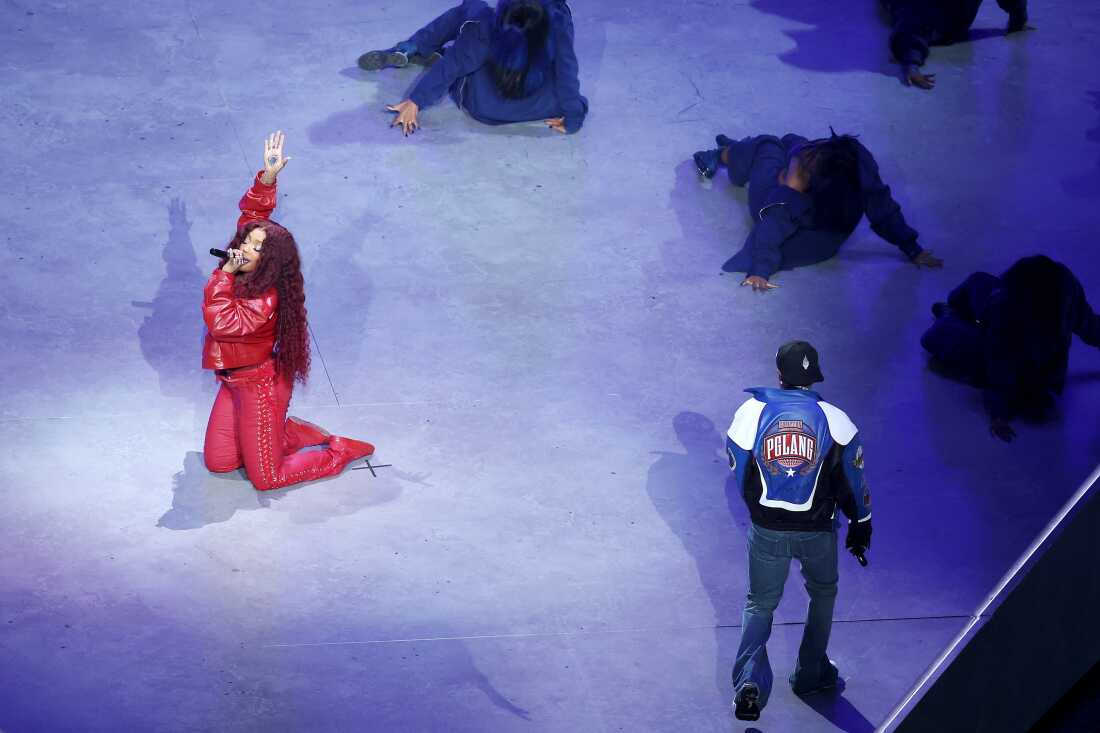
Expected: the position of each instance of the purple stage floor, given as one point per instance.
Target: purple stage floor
(534, 330)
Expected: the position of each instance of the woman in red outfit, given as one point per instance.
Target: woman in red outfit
(257, 342)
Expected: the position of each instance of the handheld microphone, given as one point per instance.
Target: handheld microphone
(861, 558)
(219, 253)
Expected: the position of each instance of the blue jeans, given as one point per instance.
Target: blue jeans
(770, 554)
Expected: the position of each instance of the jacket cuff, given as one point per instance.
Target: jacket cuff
(257, 183)
(573, 124)
(911, 249)
(911, 57)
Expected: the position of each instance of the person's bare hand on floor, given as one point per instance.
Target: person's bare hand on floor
(927, 259)
(1002, 429)
(914, 77)
(406, 116)
(759, 284)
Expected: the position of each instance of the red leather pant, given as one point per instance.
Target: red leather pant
(248, 427)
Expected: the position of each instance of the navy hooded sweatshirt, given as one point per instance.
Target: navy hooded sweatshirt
(1013, 362)
(466, 72)
(784, 235)
(918, 24)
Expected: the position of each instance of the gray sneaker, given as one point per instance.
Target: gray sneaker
(390, 57)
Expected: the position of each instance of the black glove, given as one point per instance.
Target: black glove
(859, 537)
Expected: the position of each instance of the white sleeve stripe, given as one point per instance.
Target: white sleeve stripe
(840, 425)
(760, 214)
(865, 519)
(745, 423)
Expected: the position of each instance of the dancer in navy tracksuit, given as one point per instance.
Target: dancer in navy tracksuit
(514, 64)
(796, 459)
(919, 24)
(1010, 335)
(807, 197)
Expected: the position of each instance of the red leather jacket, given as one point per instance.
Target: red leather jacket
(240, 331)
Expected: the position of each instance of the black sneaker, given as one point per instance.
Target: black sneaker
(390, 57)
(707, 162)
(830, 681)
(746, 703)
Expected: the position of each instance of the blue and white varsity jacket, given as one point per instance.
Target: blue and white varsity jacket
(796, 458)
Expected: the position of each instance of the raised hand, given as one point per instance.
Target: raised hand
(927, 259)
(274, 161)
(914, 78)
(557, 124)
(406, 116)
(759, 284)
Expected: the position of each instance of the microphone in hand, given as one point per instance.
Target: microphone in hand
(221, 254)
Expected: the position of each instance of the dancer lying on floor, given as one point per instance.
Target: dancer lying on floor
(920, 24)
(806, 197)
(1011, 335)
(513, 65)
(257, 343)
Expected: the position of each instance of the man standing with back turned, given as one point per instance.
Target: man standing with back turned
(796, 458)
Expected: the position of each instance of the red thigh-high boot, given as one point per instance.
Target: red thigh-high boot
(221, 452)
(261, 399)
(298, 434)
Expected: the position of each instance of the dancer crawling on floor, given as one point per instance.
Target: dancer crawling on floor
(919, 24)
(1010, 335)
(806, 198)
(257, 343)
(513, 65)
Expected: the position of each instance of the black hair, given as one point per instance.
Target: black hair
(1033, 286)
(832, 167)
(520, 57)
(1027, 318)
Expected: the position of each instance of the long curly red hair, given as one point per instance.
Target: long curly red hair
(279, 268)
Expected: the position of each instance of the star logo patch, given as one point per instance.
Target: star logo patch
(789, 447)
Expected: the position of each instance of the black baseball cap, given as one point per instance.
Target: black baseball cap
(798, 364)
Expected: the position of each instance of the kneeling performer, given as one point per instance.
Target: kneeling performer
(257, 343)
